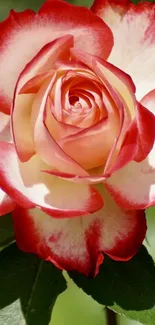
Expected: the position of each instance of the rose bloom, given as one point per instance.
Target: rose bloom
(77, 93)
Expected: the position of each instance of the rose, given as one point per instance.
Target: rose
(79, 134)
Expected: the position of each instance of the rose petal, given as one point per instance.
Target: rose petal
(57, 129)
(121, 89)
(5, 134)
(125, 87)
(6, 204)
(27, 32)
(138, 141)
(32, 85)
(133, 186)
(117, 78)
(77, 244)
(75, 178)
(45, 144)
(101, 137)
(104, 132)
(91, 34)
(22, 103)
(146, 132)
(45, 59)
(149, 101)
(9, 50)
(133, 52)
(21, 126)
(127, 151)
(29, 187)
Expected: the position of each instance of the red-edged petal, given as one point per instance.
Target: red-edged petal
(32, 85)
(137, 144)
(128, 149)
(146, 132)
(91, 34)
(29, 187)
(133, 52)
(6, 203)
(145, 122)
(45, 59)
(9, 50)
(76, 244)
(22, 103)
(75, 178)
(139, 139)
(19, 34)
(133, 186)
(149, 101)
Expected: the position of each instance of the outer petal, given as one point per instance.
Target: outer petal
(91, 33)
(27, 32)
(139, 139)
(9, 51)
(133, 187)
(146, 132)
(6, 204)
(29, 187)
(133, 52)
(76, 244)
(149, 101)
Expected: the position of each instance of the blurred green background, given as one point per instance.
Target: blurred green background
(74, 307)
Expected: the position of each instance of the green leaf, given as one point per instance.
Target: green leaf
(125, 287)
(6, 230)
(29, 288)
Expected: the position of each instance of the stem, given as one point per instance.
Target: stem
(111, 317)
